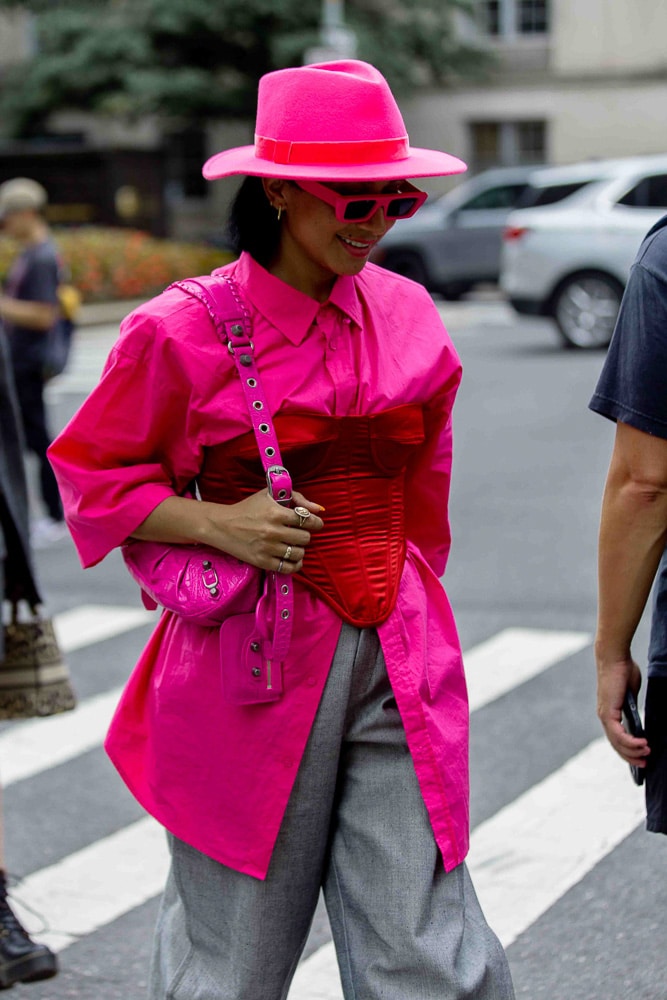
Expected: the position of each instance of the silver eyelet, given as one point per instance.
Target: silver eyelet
(284, 589)
(258, 405)
(282, 494)
(264, 428)
(284, 614)
(252, 382)
(270, 452)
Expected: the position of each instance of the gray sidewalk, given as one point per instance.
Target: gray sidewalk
(99, 313)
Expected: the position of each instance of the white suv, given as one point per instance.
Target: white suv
(571, 260)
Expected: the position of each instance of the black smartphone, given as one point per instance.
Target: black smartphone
(633, 723)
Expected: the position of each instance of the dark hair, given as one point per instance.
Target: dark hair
(253, 222)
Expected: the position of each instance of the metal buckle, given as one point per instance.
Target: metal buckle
(248, 344)
(277, 470)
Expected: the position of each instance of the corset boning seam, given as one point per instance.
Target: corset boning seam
(356, 468)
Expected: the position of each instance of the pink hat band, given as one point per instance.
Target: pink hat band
(356, 152)
(331, 121)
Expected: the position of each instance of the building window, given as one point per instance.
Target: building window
(507, 18)
(507, 144)
(532, 17)
(491, 17)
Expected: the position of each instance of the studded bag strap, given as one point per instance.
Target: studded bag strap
(226, 306)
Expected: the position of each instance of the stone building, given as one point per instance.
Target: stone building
(574, 79)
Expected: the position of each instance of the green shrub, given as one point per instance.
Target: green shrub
(107, 263)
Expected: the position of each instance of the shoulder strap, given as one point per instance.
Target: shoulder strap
(227, 309)
(224, 302)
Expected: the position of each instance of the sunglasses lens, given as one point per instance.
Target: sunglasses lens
(356, 210)
(400, 207)
(360, 210)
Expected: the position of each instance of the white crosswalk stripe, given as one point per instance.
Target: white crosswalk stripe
(522, 859)
(512, 657)
(94, 886)
(30, 747)
(528, 855)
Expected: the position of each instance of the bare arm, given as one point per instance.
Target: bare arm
(256, 530)
(633, 531)
(33, 315)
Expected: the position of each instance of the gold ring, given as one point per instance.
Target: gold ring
(303, 514)
(288, 553)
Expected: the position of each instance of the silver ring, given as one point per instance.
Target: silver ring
(303, 514)
(280, 565)
(288, 553)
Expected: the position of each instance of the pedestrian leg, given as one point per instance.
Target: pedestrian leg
(223, 935)
(404, 928)
(30, 392)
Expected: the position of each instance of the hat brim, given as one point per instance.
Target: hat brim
(418, 163)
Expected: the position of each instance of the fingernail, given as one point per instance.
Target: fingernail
(320, 507)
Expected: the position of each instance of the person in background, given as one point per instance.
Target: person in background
(28, 310)
(22, 960)
(632, 391)
(355, 778)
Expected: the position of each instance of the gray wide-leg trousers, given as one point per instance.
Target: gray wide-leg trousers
(356, 825)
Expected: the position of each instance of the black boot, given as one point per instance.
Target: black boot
(21, 960)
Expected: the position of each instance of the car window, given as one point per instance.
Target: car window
(549, 194)
(650, 192)
(504, 196)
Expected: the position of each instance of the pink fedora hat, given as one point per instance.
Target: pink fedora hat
(330, 121)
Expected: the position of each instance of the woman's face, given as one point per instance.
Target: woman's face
(316, 247)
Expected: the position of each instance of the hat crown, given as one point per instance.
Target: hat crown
(330, 121)
(342, 101)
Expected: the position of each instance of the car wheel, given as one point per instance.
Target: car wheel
(585, 307)
(409, 264)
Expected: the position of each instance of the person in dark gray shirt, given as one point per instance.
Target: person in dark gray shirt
(29, 310)
(632, 390)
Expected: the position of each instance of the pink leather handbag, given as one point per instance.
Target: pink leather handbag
(194, 581)
(252, 609)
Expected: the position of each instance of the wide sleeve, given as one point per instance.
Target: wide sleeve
(418, 363)
(428, 482)
(632, 387)
(132, 444)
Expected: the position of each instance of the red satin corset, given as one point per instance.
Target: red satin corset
(353, 466)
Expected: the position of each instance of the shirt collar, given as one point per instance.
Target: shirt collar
(287, 309)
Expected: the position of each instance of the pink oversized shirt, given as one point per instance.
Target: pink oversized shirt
(216, 775)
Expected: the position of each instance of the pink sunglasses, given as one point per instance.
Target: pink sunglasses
(362, 207)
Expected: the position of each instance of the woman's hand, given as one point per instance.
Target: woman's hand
(261, 532)
(256, 530)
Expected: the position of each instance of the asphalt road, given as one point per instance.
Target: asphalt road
(530, 461)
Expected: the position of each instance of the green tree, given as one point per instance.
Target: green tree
(201, 59)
